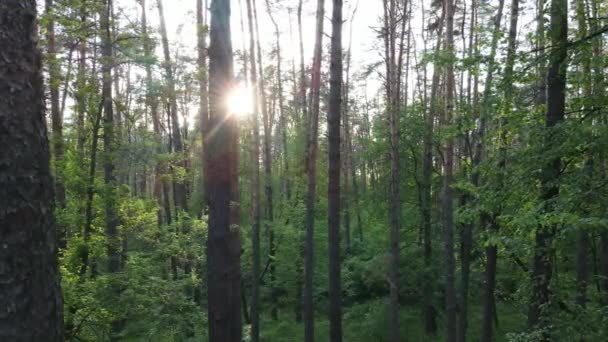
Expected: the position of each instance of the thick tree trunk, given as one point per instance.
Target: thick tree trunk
(31, 306)
(549, 179)
(311, 174)
(333, 191)
(221, 184)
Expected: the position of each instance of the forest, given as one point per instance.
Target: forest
(303, 170)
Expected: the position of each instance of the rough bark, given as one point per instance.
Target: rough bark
(31, 307)
(221, 184)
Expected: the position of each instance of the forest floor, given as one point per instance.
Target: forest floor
(366, 322)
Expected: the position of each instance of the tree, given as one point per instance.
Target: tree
(255, 184)
(311, 174)
(30, 294)
(549, 184)
(393, 62)
(333, 191)
(221, 184)
(448, 179)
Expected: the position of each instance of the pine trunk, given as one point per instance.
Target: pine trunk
(31, 306)
(221, 184)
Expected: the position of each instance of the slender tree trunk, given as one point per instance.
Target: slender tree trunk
(109, 142)
(333, 191)
(56, 118)
(282, 116)
(556, 84)
(489, 300)
(202, 65)
(582, 243)
(302, 96)
(429, 311)
(448, 179)
(311, 173)
(255, 183)
(393, 78)
(221, 184)
(267, 161)
(90, 192)
(30, 296)
(179, 186)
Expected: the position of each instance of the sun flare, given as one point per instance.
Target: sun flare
(240, 101)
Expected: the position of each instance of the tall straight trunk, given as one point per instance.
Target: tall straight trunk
(302, 89)
(311, 174)
(267, 161)
(152, 103)
(30, 295)
(429, 311)
(448, 178)
(582, 243)
(478, 156)
(81, 89)
(333, 188)
(255, 183)
(350, 174)
(282, 117)
(179, 186)
(549, 178)
(598, 92)
(109, 198)
(392, 97)
(56, 117)
(201, 31)
(221, 184)
(90, 192)
(491, 251)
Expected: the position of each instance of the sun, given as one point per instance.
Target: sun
(240, 100)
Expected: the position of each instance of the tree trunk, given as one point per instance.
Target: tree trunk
(333, 190)
(255, 183)
(202, 65)
(556, 84)
(30, 296)
(393, 79)
(311, 173)
(56, 117)
(179, 186)
(109, 199)
(267, 160)
(448, 179)
(429, 311)
(221, 184)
